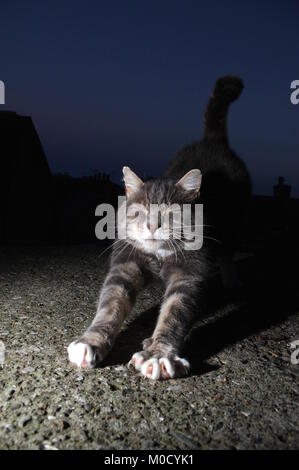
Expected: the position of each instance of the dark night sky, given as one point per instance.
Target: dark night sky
(126, 82)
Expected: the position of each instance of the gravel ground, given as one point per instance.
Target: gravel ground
(242, 394)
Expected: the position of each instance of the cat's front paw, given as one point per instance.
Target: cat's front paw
(83, 355)
(165, 368)
(160, 368)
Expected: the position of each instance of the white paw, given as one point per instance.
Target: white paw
(81, 354)
(165, 368)
(137, 360)
(151, 369)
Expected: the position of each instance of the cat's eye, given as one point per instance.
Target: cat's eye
(136, 212)
(132, 216)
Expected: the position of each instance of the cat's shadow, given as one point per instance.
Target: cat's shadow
(228, 317)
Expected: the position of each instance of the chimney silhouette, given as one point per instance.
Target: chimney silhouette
(282, 191)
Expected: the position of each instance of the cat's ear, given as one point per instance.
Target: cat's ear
(132, 181)
(191, 181)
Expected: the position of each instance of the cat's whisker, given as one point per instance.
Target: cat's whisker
(123, 248)
(195, 226)
(176, 243)
(207, 237)
(211, 238)
(109, 247)
(173, 248)
(132, 251)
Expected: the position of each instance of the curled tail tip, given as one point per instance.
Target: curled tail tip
(228, 88)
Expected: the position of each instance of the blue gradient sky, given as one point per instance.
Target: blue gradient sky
(126, 82)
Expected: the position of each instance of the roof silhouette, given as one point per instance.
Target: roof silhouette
(25, 182)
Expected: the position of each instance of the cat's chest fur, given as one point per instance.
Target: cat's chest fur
(156, 261)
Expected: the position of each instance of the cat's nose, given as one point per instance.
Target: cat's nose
(154, 225)
(151, 228)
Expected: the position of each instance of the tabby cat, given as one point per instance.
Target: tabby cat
(208, 173)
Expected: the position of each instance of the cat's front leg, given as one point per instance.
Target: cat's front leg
(118, 294)
(160, 358)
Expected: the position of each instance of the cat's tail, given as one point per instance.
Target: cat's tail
(227, 89)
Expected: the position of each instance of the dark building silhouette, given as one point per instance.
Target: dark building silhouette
(268, 217)
(281, 191)
(76, 201)
(25, 182)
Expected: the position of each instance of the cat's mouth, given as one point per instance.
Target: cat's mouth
(152, 242)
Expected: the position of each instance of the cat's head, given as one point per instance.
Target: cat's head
(154, 209)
